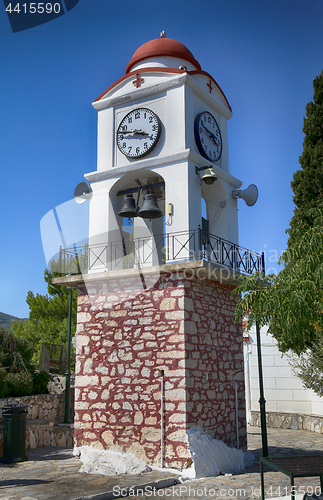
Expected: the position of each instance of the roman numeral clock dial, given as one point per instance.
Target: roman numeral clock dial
(208, 136)
(138, 133)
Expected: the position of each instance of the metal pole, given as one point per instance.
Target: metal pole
(262, 400)
(237, 412)
(263, 262)
(68, 371)
(161, 374)
(60, 261)
(199, 242)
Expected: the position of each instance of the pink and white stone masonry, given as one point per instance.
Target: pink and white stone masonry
(126, 335)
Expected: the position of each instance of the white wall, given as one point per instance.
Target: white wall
(283, 390)
(176, 100)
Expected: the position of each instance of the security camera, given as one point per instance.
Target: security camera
(209, 177)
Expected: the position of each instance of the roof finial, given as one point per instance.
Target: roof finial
(163, 34)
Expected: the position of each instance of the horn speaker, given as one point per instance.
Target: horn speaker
(249, 195)
(82, 193)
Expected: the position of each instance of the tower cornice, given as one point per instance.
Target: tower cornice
(103, 102)
(151, 163)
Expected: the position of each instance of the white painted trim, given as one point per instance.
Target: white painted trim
(185, 155)
(169, 83)
(140, 93)
(146, 163)
(208, 98)
(200, 269)
(200, 162)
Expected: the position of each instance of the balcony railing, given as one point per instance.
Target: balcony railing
(157, 250)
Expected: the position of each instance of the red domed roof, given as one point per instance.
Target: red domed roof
(162, 47)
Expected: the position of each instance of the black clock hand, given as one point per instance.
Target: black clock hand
(140, 132)
(210, 134)
(214, 139)
(133, 132)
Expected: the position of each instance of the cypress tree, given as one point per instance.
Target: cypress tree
(307, 183)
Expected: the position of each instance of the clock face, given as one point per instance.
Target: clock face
(138, 133)
(208, 136)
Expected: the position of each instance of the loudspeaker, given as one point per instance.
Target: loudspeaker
(82, 192)
(249, 195)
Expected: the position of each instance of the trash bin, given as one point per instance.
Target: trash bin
(14, 433)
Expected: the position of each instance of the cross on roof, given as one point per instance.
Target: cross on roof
(210, 85)
(138, 80)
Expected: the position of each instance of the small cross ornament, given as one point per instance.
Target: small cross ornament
(138, 81)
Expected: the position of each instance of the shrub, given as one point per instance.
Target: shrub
(3, 382)
(17, 372)
(40, 380)
(19, 384)
(16, 354)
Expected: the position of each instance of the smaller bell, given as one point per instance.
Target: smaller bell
(150, 209)
(128, 208)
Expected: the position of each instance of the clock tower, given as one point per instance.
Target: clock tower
(159, 122)
(157, 348)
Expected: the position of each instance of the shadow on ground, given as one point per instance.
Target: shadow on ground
(22, 482)
(277, 451)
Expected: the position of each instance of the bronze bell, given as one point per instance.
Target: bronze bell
(150, 209)
(128, 208)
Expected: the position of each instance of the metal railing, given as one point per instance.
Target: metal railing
(225, 253)
(157, 250)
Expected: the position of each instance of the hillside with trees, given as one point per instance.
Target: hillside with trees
(6, 320)
(48, 317)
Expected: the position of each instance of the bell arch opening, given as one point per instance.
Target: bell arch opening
(216, 200)
(138, 201)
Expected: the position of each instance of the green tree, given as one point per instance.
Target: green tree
(291, 303)
(48, 316)
(18, 376)
(307, 183)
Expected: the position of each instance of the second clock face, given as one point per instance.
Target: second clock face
(208, 136)
(138, 133)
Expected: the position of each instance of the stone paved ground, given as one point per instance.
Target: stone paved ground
(246, 485)
(52, 473)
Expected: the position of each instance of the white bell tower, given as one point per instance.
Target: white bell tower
(165, 79)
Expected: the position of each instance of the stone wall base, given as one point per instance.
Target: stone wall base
(171, 349)
(40, 406)
(41, 433)
(312, 423)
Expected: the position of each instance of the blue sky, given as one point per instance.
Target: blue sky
(264, 55)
